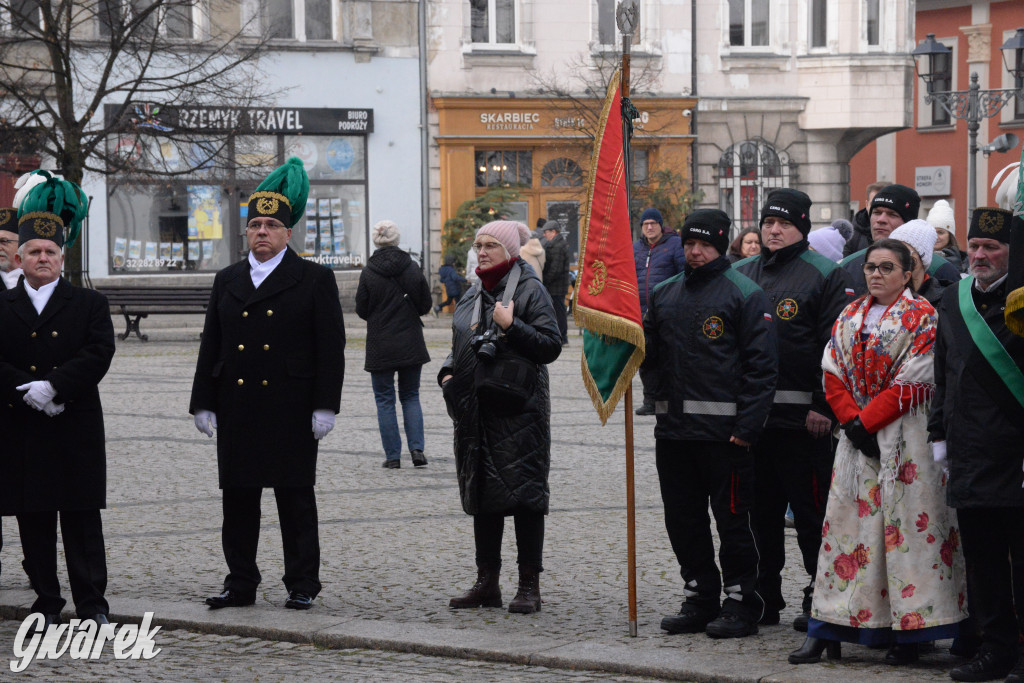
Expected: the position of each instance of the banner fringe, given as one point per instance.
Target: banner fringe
(606, 408)
(600, 322)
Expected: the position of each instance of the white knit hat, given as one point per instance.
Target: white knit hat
(919, 235)
(941, 216)
(386, 234)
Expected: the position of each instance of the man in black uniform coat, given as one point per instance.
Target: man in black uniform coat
(56, 346)
(977, 427)
(272, 357)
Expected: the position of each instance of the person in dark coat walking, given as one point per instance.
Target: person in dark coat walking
(711, 345)
(502, 456)
(556, 274)
(391, 297)
(976, 426)
(451, 281)
(56, 347)
(658, 255)
(268, 379)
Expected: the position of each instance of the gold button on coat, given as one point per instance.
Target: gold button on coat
(266, 347)
(269, 313)
(241, 382)
(245, 314)
(264, 382)
(31, 368)
(54, 333)
(241, 347)
(34, 335)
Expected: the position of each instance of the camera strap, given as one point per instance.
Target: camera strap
(510, 288)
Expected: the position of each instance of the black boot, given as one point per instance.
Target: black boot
(485, 592)
(647, 408)
(902, 653)
(810, 651)
(693, 617)
(527, 600)
(803, 619)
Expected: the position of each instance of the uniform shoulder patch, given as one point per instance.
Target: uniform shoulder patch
(743, 262)
(852, 257)
(937, 262)
(674, 278)
(742, 282)
(824, 264)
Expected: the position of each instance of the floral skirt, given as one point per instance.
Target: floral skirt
(890, 559)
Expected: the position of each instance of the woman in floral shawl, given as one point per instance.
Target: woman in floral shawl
(890, 568)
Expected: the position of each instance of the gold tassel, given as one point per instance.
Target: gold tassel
(1014, 314)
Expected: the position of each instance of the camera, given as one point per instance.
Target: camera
(485, 345)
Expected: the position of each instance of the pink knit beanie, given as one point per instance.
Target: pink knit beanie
(512, 234)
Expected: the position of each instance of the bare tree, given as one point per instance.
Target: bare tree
(84, 82)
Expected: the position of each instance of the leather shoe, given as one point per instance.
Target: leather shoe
(392, 464)
(230, 598)
(902, 653)
(100, 619)
(297, 600)
(50, 620)
(987, 665)
(418, 459)
(645, 409)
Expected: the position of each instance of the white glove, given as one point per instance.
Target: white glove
(206, 421)
(323, 423)
(53, 409)
(939, 451)
(38, 393)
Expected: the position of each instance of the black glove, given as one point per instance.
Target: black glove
(860, 438)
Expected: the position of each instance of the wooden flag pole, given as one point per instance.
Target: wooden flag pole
(626, 17)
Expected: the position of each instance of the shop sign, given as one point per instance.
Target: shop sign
(932, 181)
(509, 120)
(159, 119)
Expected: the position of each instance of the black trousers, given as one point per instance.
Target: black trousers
(561, 315)
(993, 542)
(296, 509)
(792, 468)
(82, 532)
(488, 530)
(692, 474)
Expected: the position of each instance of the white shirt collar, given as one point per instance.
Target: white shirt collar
(992, 286)
(40, 296)
(259, 271)
(11, 278)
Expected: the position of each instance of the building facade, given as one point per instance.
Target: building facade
(932, 154)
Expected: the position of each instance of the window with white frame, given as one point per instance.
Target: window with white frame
(492, 21)
(872, 12)
(819, 23)
(171, 19)
(748, 23)
(19, 16)
(934, 114)
(289, 19)
(608, 28)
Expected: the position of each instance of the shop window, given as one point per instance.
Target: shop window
(819, 23)
(333, 231)
(748, 23)
(561, 172)
(508, 167)
(747, 172)
(871, 12)
(607, 28)
(492, 21)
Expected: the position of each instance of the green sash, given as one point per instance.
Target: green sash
(988, 344)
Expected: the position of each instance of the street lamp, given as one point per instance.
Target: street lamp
(973, 104)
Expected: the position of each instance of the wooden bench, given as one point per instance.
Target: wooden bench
(137, 302)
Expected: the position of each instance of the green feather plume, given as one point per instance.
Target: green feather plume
(289, 179)
(61, 197)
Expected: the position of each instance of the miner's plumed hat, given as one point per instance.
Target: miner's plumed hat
(49, 208)
(282, 195)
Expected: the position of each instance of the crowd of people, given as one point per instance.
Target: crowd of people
(878, 395)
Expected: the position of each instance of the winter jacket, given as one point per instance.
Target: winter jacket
(656, 264)
(806, 293)
(711, 342)
(932, 290)
(955, 257)
(502, 461)
(972, 410)
(861, 237)
(451, 280)
(556, 267)
(391, 297)
(533, 253)
(940, 269)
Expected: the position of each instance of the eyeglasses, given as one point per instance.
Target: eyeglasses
(486, 246)
(270, 228)
(886, 268)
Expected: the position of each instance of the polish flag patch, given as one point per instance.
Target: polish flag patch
(849, 292)
(768, 317)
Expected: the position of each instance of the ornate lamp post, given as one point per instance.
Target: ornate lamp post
(973, 104)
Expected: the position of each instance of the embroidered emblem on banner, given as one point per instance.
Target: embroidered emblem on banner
(267, 206)
(598, 279)
(5, 216)
(713, 327)
(990, 222)
(45, 227)
(787, 309)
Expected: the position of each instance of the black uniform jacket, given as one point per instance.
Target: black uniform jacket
(940, 269)
(270, 356)
(712, 343)
(556, 266)
(54, 463)
(806, 293)
(502, 461)
(973, 411)
(391, 297)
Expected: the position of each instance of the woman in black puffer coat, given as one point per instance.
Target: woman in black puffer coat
(502, 458)
(391, 297)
